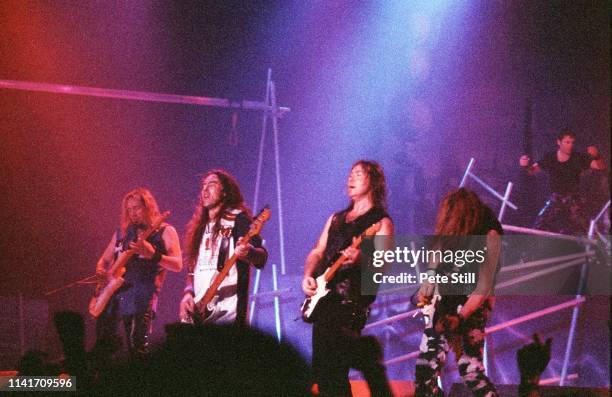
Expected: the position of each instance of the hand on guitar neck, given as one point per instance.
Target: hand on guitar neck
(143, 248)
(349, 256)
(316, 289)
(352, 253)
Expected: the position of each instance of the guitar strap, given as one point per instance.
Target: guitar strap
(223, 250)
(118, 243)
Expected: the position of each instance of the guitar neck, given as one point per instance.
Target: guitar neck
(254, 230)
(125, 256)
(121, 261)
(339, 262)
(212, 290)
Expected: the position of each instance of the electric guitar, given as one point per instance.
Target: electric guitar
(107, 287)
(206, 309)
(310, 304)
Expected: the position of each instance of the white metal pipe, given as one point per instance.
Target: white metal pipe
(391, 319)
(534, 315)
(501, 326)
(493, 191)
(536, 232)
(518, 280)
(504, 201)
(547, 261)
(254, 296)
(138, 95)
(556, 379)
(276, 304)
(281, 233)
(575, 312)
(467, 172)
(262, 140)
(271, 293)
(603, 210)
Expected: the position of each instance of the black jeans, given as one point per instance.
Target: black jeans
(137, 329)
(563, 213)
(337, 346)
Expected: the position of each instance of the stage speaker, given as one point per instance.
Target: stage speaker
(23, 327)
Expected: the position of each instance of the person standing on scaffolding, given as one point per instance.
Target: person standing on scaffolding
(564, 210)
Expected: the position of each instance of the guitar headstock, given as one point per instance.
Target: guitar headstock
(259, 221)
(155, 225)
(161, 219)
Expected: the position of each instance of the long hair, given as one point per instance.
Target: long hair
(148, 202)
(231, 198)
(461, 213)
(378, 184)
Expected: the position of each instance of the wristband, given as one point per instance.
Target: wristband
(461, 319)
(156, 256)
(189, 290)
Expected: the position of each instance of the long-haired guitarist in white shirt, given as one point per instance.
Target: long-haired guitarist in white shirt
(220, 219)
(135, 302)
(342, 313)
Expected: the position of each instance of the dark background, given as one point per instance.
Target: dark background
(421, 87)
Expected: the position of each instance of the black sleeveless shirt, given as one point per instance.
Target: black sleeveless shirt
(347, 281)
(143, 278)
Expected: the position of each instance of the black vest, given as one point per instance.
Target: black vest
(143, 278)
(347, 281)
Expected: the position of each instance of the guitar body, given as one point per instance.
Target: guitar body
(99, 301)
(107, 288)
(205, 313)
(311, 303)
(309, 307)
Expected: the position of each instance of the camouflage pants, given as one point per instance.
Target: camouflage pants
(434, 349)
(563, 213)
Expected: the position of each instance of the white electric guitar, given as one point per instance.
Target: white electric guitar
(310, 305)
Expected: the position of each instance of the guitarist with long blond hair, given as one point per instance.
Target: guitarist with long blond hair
(213, 235)
(342, 313)
(135, 302)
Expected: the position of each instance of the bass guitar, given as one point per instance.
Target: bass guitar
(107, 287)
(206, 307)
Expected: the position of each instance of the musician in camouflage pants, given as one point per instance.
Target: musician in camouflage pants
(457, 312)
(435, 347)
